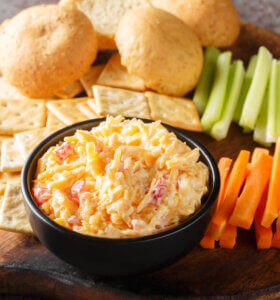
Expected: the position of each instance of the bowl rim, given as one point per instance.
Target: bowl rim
(180, 133)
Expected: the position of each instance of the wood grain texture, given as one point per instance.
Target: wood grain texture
(27, 268)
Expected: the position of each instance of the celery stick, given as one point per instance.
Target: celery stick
(203, 87)
(255, 96)
(220, 129)
(277, 120)
(272, 101)
(245, 87)
(216, 101)
(260, 132)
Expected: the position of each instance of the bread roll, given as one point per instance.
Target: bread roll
(216, 22)
(161, 49)
(46, 47)
(105, 16)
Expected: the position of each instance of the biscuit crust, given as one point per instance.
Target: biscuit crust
(161, 49)
(46, 47)
(216, 22)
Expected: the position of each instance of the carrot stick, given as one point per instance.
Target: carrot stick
(228, 237)
(271, 211)
(246, 205)
(276, 237)
(224, 166)
(257, 153)
(255, 156)
(207, 242)
(263, 235)
(235, 182)
(248, 170)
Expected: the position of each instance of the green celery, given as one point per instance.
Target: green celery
(220, 129)
(216, 101)
(260, 132)
(203, 87)
(245, 87)
(272, 100)
(255, 96)
(277, 120)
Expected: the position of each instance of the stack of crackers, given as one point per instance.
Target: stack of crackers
(110, 90)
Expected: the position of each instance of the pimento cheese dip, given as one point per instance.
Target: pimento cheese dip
(124, 178)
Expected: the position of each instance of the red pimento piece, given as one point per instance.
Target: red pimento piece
(64, 151)
(121, 167)
(77, 188)
(159, 190)
(74, 220)
(40, 195)
(98, 148)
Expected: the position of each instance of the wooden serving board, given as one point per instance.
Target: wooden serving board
(26, 267)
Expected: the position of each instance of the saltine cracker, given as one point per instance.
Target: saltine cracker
(53, 121)
(113, 101)
(67, 111)
(17, 116)
(12, 213)
(89, 79)
(85, 108)
(28, 140)
(175, 111)
(116, 75)
(11, 158)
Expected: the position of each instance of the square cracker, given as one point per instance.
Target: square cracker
(87, 110)
(92, 104)
(116, 75)
(177, 112)
(17, 116)
(3, 138)
(113, 101)
(90, 78)
(11, 158)
(67, 111)
(6, 177)
(53, 121)
(12, 213)
(7, 91)
(70, 91)
(28, 140)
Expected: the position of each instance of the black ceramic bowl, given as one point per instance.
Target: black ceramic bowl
(105, 256)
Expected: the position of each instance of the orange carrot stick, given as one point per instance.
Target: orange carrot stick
(228, 237)
(255, 156)
(224, 166)
(246, 205)
(207, 242)
(235, 182)
(248, 169)
(271, 211)
(263, 235)
(276, 237)
(257, 153)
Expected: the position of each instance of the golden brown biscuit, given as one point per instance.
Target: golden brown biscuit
(45, 48)
(161, 49)
(216, 22)
(105, 16)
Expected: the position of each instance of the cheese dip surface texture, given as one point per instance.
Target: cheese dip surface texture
(122, 179)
